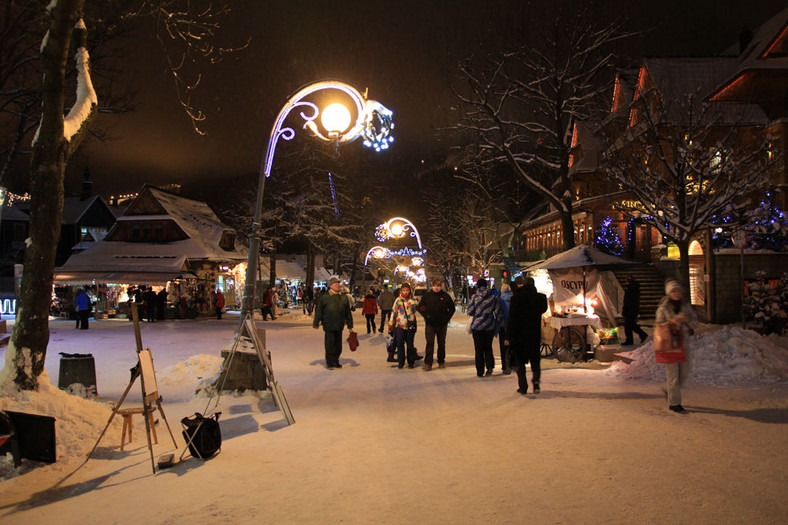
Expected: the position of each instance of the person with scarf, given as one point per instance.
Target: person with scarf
(403, 325)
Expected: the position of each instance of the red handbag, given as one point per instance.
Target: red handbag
(352, 341)
(669, 344)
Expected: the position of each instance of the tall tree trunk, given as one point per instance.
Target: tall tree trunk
(28, 346)
(310, 266)
(354, 267)
(272, 269)
(567, 229)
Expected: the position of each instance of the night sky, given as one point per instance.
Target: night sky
(403, 52)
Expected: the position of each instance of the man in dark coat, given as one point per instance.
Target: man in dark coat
(437, 308)
(333, 311)
(525, 332)
(631, 310)
(149, 298)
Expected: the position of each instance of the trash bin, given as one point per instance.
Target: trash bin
(77, 368)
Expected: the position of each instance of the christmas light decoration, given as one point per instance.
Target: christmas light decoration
(373, 122)
(607, 239)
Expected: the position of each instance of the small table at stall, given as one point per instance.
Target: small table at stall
(570, 343)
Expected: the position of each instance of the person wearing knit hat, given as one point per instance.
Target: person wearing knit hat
(671, 285)
(679, 316)
(403, 325)
(333, 312)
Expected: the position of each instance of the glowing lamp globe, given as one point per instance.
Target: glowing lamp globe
(396, 230)
(335, 118)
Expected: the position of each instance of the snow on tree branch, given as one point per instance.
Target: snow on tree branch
(86, 96)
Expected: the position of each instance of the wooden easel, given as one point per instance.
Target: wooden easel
(150, 392)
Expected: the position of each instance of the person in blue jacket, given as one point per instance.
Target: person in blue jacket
(485, 311)
(82, 303)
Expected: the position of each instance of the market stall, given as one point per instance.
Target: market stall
(583, 299)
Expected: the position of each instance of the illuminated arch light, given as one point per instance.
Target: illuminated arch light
(374, 121)
(401, 269)
(396, 228)
(377, 252)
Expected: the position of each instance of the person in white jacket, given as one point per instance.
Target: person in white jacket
(679, 316)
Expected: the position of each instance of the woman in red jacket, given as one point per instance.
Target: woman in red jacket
(370, 310)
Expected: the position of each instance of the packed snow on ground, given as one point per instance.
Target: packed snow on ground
(374, 444)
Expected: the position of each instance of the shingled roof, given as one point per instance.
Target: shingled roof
(677, 78)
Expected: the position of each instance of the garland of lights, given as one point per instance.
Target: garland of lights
(397, 228)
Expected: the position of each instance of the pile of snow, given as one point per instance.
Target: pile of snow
(195, 370)
(78, 421)
(724, 357)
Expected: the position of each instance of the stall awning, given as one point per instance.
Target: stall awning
(158, 278)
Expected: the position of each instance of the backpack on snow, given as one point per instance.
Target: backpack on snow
(202, 435)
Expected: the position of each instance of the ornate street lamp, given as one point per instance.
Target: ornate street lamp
(373, 122)
(397, 228)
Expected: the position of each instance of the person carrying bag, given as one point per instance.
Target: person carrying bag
(675, 318)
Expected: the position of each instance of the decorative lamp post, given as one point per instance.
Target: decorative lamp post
(397, 228)
(373, 122)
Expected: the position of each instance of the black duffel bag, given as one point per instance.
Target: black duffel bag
(202, 434)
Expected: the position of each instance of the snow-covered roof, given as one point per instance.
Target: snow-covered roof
(585, 154)
(122, 268)
(195, 218)
(577, 257)
(763, 58)
(13, 213)
(676, 78)
(74, 207)
(762, 39)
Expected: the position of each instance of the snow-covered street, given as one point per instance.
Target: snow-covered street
(374, 444)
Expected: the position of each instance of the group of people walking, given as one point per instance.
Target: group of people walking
(514, 315)
(516, 318)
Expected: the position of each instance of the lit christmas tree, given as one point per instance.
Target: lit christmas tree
(767, 226)
(606, 238)
(724, 225)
